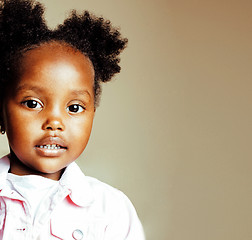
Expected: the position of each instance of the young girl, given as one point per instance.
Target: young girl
(50, 87)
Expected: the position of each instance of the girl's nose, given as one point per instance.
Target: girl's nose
(53, 124)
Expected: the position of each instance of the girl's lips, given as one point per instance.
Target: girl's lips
(45, 152)
(52, 141)
(51, 147)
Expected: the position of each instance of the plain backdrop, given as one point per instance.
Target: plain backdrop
(174, 128)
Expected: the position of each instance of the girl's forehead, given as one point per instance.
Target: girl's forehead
(54, 64)
(55, 53)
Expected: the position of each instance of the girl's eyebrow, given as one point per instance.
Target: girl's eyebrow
(27, 87)
(81, 92)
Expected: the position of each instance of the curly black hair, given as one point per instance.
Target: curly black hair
(22, 27)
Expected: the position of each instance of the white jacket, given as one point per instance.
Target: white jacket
(82, 208)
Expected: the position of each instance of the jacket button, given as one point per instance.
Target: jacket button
(77, 234)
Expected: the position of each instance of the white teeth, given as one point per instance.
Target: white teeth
(48, 146)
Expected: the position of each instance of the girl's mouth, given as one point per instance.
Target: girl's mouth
(50, 150)
(50, 146)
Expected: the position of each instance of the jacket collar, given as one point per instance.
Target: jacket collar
(4, 168)
(72, 179)
(80, 190)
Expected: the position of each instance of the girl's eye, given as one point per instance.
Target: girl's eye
(32, 104)
(75, 108)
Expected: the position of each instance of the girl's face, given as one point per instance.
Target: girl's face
(48, 114)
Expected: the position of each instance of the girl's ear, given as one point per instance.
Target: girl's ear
(2, 127)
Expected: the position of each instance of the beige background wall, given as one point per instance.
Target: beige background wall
(174, 129)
